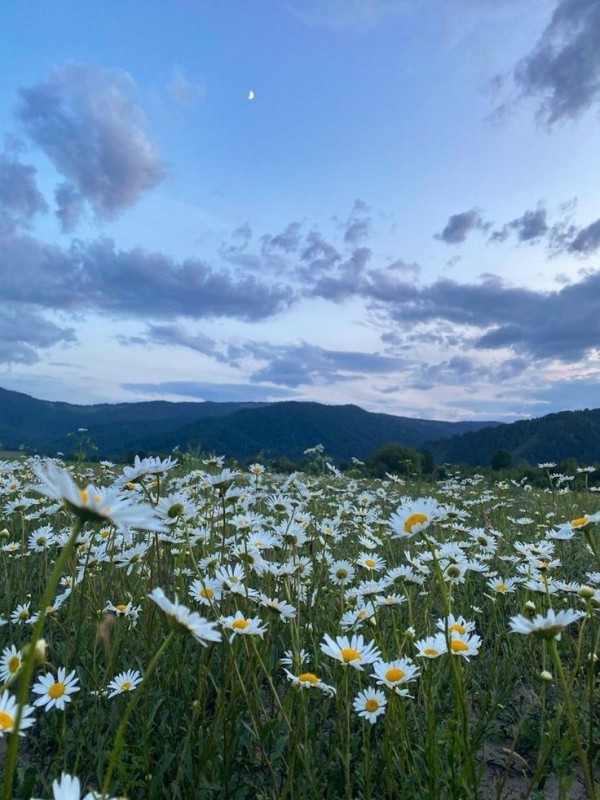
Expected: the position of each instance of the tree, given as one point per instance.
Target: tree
(396, 458)
(501, 459)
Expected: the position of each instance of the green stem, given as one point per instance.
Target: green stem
(585, 764)
(30, 658)
(118, 743)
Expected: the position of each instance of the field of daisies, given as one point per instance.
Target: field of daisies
(186, 630)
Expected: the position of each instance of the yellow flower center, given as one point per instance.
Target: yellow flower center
(240, 624)
(501, 587)
(370, 563)
(105, 533)
(414, 519)
(341, 574)
(126, 686)
(121, 607)
(84, 496)
(56, 690)
(371, 705)
(309, 677)
(430, 651)
(349, 654)
(580, 522)
(458, 646)
(208, 594)
(394, 674)
(13, 664)
(458, 628)
(6, 721)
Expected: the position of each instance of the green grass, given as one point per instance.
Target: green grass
(224, 721)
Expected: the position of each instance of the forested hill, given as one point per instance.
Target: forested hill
(289, 428)
(555, 437)
(237, 430)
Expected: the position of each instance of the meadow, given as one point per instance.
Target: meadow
(180, 629)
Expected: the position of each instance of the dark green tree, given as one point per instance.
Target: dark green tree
(501, 459)
(396, 458)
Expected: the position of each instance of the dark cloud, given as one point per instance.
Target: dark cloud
(23, 330)
(529, 227)
(347, 279)
(98, 277)
(85, 121)
(358, 225)
(460, 225)
(562, 324)
(70, 206)
(305, 364)
(318, 253)
(215, 392)
(176, 335)
(563, 70)
(20, 198)
(588, 239)
(288, 240)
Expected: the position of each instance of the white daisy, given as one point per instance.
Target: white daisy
(55, 692)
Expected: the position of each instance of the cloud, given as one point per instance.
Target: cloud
(563, 70)
(98, 277)
(306, 364)
(288, 240)
(176, 335)
(562, 324)
(20, 198)
(460, 225)
(530, 226)
(23, 330)
(587, 240)
(347, 280)
(214, 392)
(85, 121)
(70, 206)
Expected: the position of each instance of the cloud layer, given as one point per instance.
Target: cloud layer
(85, 121)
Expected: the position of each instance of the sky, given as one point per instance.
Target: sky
(391, 203)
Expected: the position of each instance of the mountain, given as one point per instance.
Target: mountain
(289, 428)
(239, 430)
(554, 437)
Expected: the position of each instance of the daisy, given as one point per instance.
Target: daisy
(285, 610)
(503, 585)
(201, 629)
(55, 692)
(291, 659)
(394, 674)
(239, 624)
(370, 561)
(432, 646)
(414, 516)
(10, 663)
(124, 682)
(341, 573)
(206, 590)
(465, 644)
(549, 626)
(455, 625)
(308, 680)
(68, 788)
(351, 652)
(93, 504)
(8, 715)
(370, 704)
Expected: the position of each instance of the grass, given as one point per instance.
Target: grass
(228, 719)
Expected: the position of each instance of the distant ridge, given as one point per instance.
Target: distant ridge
(237, 430)
(554, 437)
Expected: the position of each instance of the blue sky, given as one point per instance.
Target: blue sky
(406, 215)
